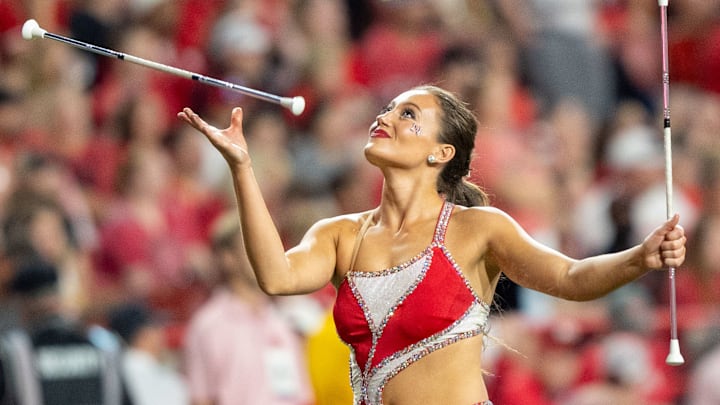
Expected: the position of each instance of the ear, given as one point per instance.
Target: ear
(445, 153)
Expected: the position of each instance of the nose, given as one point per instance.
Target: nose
(383, 117)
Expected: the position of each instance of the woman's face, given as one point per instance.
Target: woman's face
(405, 132)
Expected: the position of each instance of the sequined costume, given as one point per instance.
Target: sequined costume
(394, 317)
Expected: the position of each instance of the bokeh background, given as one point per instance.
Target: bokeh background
(98, 177)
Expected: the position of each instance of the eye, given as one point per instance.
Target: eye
(408, 113)
(386, 109)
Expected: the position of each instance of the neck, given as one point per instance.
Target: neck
(408, 200)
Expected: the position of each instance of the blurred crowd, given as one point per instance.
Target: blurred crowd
(134, 211)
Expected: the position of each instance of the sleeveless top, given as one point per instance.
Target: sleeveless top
(394, 317)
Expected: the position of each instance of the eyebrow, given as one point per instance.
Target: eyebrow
(409, 103)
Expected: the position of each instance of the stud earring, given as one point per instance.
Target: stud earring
(431, 159)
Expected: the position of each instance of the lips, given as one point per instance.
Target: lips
(379, 133)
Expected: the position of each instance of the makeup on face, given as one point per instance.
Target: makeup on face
(407, 106)
(417, 129)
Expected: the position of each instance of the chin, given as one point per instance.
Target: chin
(370, 154)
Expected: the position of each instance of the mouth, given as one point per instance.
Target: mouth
(379, 133)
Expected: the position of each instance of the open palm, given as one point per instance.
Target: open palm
(230, 142)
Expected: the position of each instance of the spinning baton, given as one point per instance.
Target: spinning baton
(674, 357)
(31, 29)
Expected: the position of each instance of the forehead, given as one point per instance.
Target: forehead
(422, 98)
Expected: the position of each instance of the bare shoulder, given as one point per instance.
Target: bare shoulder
(481, 216)
(475, 227)
(337, 232)
(486, 226)
(326, 248)
(340, 224)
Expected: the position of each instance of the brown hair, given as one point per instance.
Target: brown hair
(458, 128)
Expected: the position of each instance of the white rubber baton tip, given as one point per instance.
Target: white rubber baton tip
(674, 358)
(298, 105)
(663, 3)
(32, 29)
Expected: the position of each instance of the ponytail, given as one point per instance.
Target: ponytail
(463, 192)
(458, 128)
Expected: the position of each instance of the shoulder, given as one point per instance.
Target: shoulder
(486, 225)
(345, 219)
(341, 224)
(485, 216)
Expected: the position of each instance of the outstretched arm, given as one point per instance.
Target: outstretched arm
(305, 268)
(535, 266)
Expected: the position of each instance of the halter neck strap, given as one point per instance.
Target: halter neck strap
(359, 238)
(442, 223)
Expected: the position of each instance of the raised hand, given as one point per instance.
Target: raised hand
(230, 142)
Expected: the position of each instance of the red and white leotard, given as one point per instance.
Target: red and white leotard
(394, 317)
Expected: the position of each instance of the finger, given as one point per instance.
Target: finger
(677, 233)
(236, 117)
(673, 253)
(665, 229)
(671, 223)
(196, 121)
(183, 116)
(674, 258)
(673, 244)
(187, 115)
